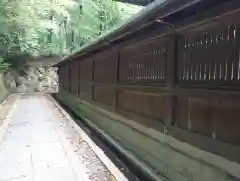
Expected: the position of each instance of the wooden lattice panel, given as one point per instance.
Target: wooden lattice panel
(209, 54)
(144, 62)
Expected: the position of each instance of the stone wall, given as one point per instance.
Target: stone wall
(32, 79)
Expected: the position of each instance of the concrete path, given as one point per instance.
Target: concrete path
(32, 149)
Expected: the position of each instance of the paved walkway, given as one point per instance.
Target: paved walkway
(32, 149)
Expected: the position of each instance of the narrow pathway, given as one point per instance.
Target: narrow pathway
(33, 148)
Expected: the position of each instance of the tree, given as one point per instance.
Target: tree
(25, 21)
(45, 27)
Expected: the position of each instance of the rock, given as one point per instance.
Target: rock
(22, 88)
(32, 80)
(9, 81)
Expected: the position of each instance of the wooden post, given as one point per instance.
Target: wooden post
(93, 74)
(69, 78)
(78, 74)
(171, 77)
(115, 101)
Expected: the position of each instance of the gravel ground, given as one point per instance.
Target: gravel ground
(41, 144)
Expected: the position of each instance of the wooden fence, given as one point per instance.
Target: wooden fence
(186, 77)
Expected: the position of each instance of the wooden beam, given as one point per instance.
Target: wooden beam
(137, 2)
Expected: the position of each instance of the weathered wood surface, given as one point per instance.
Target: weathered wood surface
(184, 78)
(156, 153)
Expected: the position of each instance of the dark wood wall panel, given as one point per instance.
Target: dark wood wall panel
(85, 91)
(182, 113)
(78, 77)
(67, 77)
(86, 68)
(150, 106)
(74, 77)
(104, 67)
(227, 120)
(103, 95)
(216, 118)
(195, 114)
(201, 116)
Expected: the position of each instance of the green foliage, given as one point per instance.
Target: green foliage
(45, 27)
(3, 65)
(127, 10)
